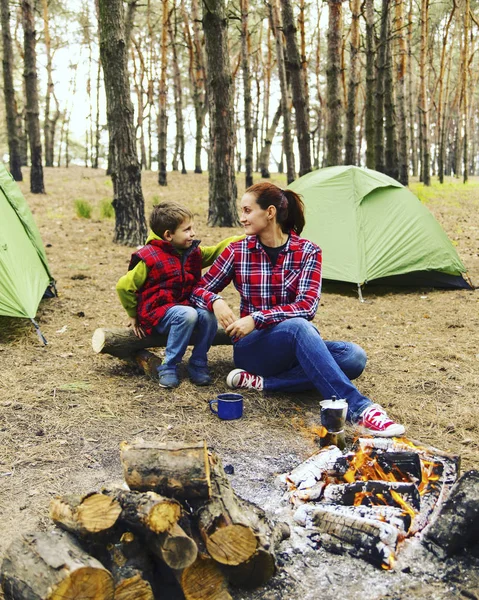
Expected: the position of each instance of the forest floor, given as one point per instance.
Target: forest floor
(65, 410)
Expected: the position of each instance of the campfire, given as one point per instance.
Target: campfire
(368, 501)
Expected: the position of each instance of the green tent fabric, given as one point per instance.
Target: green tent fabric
(24, 271)
(370, 227)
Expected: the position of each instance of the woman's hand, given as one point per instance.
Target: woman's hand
(223, 313)
(241, 327)
(132, 322)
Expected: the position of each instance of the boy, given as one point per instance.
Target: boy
(155, 291)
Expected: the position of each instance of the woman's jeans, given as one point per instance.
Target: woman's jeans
(179, 322)
(292, 357)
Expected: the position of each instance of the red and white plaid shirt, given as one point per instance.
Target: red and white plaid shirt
(269, 294)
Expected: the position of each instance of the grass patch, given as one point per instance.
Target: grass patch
(451, 192)
(83, 208)
(106, 209)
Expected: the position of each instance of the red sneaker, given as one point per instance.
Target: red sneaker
(374, 421)
(242, 379)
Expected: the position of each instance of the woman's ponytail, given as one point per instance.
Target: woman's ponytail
(295, 219)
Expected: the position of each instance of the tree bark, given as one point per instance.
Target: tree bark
(130, 223)
(350, 144)
(411, 100)
(222, 183)
(423, 102)
(465, 91)
(37, 185)
(178, 92)
(380, 82)
(15, 160)
(245, 53)
(87, 515)
(403, 162)
(163, 96)
(441, 104)
(391, 154)
(335, 33)
(174, 547)
(298, 87)
(268, 141)
(287, 141)
(52, 566)
(174, 470)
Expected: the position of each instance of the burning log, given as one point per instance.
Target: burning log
(90, 514)
(123, 343)
(373, 492)
(373, 540)
(401, 465)
(308, 473)
(203, 580)
(175, 470)
(457, 523)
(236, 531)
(53, 566)
(174, 547)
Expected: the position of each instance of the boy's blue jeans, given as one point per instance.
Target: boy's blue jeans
(292, 357)
(179, 322)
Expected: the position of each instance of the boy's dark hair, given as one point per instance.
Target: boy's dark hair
(168, 216)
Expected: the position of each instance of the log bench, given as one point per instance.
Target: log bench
(123, 343)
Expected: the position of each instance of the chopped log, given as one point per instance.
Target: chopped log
(123, 342)
(456, 525)
(175, 470)
(346, 493)
(236, 531)
(369, 539)
(174, 547)
(203, 580)
(53, 566)
(131, 569)
(403, 465)
(147, 511)
(89, 514)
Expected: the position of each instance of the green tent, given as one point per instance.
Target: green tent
(370, 227)
(24, 272)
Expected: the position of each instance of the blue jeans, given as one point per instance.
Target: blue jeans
(179, 322)
(292, 357)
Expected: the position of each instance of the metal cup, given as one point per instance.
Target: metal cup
(333, 419)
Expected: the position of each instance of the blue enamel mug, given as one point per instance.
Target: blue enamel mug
(228, 406)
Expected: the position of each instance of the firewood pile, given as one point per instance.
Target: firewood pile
(178, 517)
(368, 501)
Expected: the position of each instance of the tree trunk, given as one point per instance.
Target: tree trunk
(287, 141)
(370, 101)
(411, 102)
(178, 92)
(222, 210)
(350, 145)
(130, 225)
(465, 91)
(15, 160)
(163, 97)
(380, 82)
(423, 102)
(245, 53)
(391, 154)
(298, 87)
(333, 71)
(268, 140)
(48, 133)
(52, 566)
(30, 73)
(403, 163)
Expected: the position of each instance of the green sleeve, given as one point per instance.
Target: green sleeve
(210, 253)
(129, 284)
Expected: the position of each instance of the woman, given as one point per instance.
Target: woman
(278, 276)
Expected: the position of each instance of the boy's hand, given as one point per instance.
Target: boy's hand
(132, 322)
(223, 313)
(241, 327)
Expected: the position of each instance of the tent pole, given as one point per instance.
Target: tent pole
(41, 337)
(360, 293)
